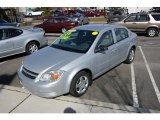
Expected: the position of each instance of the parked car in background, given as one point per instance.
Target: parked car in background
(5, 23)
(115, 16)
(148, 23)
(34, 13)
(75, 59)
(70, 12)
(57, 24)
(89, 13)
(81, 19)
(15, 40)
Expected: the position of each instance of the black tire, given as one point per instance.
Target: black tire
(32, 47)
(30, 15)
(131, 56)
(152, 32)
(74, 89)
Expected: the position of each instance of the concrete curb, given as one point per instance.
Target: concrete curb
(96, 106)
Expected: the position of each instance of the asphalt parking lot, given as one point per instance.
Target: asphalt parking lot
(137, 84)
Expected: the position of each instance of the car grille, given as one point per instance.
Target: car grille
(29, 74)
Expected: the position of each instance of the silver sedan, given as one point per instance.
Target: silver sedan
(15, 40)
(81, 19)
(80, 55)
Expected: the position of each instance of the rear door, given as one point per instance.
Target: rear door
(6, 43)
(49, 25)
(123, 43)
(142, 22)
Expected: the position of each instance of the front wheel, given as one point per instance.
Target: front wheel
(80, 84)
(130, 57)
(32, 47)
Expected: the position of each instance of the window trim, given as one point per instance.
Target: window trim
(101, 36)
(130, 16)
(148, 18)
(121, 39)
(8, 30)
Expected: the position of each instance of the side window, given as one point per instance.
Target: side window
(57, 20)
(106, 39)
(14, 32)
(4, 34)
(131, 18)
(49, 21)
(143, 18)
(156, 17)
(121, 34)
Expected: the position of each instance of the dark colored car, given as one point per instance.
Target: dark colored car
(89, 13)
(57, 24)
(115, 16)
(5, 23)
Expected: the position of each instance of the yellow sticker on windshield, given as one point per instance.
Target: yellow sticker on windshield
(94, 33)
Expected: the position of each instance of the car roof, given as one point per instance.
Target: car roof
(54, 17)
(97, 27)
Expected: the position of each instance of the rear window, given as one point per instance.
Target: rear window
(156, 17)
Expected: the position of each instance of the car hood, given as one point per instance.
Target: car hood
(49, 57)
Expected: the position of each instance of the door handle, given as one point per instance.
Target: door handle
(134, 23)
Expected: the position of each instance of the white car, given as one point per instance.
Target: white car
(32, 13)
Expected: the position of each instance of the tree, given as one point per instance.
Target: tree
(47, 11)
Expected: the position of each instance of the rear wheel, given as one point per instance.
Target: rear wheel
(32, 47)
(151, 32)
(130, 57)
(80, 84)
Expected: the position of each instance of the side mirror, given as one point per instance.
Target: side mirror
(101, 48)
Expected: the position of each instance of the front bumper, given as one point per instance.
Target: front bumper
(43, 89)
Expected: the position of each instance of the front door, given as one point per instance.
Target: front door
(107, 58)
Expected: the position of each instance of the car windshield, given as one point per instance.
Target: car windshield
(76, 40)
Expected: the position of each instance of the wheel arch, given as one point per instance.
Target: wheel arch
(30, 42)
(155, 27)
(74, 73)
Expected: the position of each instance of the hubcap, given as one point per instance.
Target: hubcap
(82, 84)
(33, 48)
(131, 55)
(63, 30)
(152, 33)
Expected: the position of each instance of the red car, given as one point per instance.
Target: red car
(89, 13)
(57, 24)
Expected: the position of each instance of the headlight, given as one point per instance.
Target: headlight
(51, 76)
